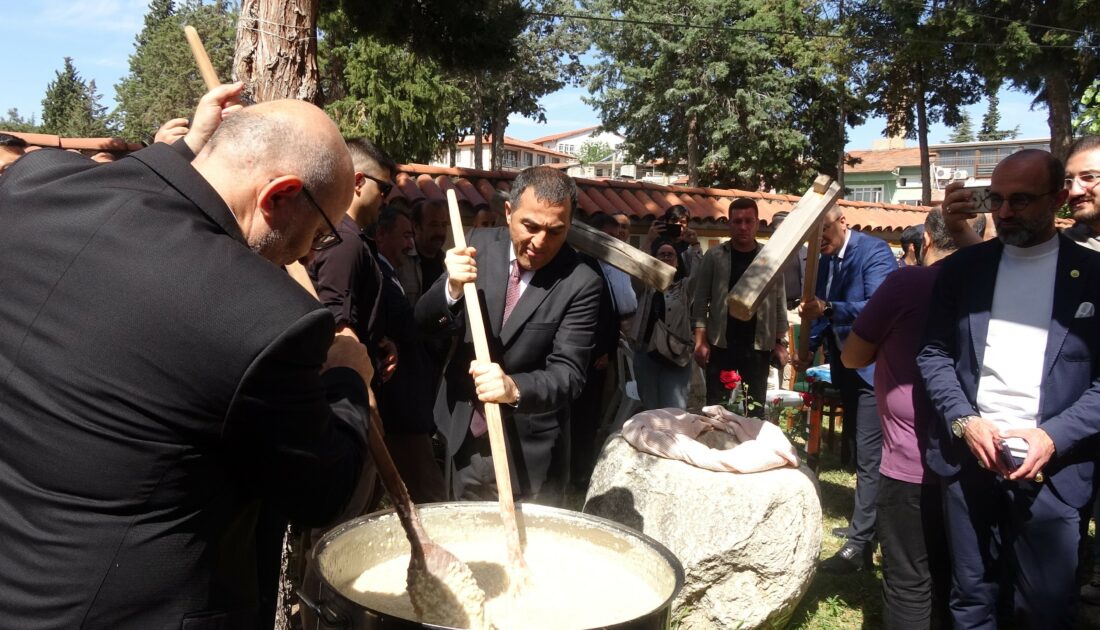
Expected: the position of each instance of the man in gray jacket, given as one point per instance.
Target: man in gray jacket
(723, 342)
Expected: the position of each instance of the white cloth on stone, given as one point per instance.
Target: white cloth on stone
(673, 433)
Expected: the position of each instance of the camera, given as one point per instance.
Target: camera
(671, 230)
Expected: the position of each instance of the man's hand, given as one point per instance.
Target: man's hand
(813, 309)
(347, 352)
(389, 358)
(171, 131)
(688, 236)
(492, 384)
(461, 268)
(702, 353)
(1040, 448)
(801, 362)
(983, 439)
(213, 108)
(957, 210)
(782, 356)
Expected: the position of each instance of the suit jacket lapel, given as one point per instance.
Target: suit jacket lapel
(493, 278)
(542, 283)
(1067, 297)
(983, 281)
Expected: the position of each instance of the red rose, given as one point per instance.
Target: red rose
(729, 378)
(807, 399)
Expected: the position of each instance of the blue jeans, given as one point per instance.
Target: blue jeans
(660, 384)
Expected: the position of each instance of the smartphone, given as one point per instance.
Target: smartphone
(1006, 456)
(978, 195)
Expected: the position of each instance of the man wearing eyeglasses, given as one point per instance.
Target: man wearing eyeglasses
(1009, 361)
(163, 378)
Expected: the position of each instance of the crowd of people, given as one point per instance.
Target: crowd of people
(171, 398)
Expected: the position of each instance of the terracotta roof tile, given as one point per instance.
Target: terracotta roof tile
(509, 141)
(486, 188)
(406, 184)
(471, 193)
(428, 186)
(564, 134)
(115, 145)
(883, 161)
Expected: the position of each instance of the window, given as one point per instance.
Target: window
(510, 159)
(528, 159)
(566, 148)
(555, 160)
(910, 202)
(871, 194)
(542, 160)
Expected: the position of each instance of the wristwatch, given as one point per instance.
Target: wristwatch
(828, 310)
(958, 426)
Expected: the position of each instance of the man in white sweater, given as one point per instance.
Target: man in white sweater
(1010, 361)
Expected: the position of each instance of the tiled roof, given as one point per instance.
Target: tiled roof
(509, 141)
(640, 200)
(88, 144)
(883, 161)
(564, 134)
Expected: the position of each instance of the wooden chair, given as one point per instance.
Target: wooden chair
(826, 403)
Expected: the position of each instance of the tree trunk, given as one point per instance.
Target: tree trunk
(922, 139)
(479, 125)
(1059, 116)
(452, 151)
(276, 54)
(693, 151)
(496, 156)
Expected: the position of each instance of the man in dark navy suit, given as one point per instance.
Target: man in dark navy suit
(1010, 363)
(851, 268)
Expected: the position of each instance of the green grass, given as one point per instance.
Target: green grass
(838, 602)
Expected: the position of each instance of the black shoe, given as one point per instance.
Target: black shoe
(849, 559)
(842, 532)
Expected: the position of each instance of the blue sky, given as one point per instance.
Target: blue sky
(99, 36)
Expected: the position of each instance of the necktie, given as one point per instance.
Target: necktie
(511, 295)
(834, 278)
(478, 427)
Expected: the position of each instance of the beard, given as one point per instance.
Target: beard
(1024, 232)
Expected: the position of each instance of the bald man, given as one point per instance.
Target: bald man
(162, 377)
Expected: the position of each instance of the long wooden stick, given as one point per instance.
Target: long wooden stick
(809, 287)
(492, 413)
(198, 51)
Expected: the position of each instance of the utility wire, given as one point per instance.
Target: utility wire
(785, 33)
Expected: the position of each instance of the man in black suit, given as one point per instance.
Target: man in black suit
(159, 380)
(540, 340)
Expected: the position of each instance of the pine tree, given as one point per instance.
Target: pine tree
(71, 107)
(991, 122)
(964, 131)
(164, 82)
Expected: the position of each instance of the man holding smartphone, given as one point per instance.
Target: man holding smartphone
(1010, 354)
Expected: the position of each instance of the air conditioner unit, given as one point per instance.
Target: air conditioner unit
(961, 174)
(628, 170)
(943, 172)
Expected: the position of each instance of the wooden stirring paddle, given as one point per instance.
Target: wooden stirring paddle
(442, 588)
(518, 572)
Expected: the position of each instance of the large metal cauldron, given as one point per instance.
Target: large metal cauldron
(347, 550)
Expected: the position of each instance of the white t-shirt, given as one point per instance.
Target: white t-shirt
(1015, 346)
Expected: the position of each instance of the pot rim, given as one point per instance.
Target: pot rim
(530, 508)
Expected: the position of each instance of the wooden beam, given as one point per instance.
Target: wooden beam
(620, 255)
(765, 269)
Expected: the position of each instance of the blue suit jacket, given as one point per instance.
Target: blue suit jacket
(867, 262)
(1069, 401)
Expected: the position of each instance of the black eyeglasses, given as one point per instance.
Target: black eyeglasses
(384, 186)
(323, 241)
(1016, 201)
